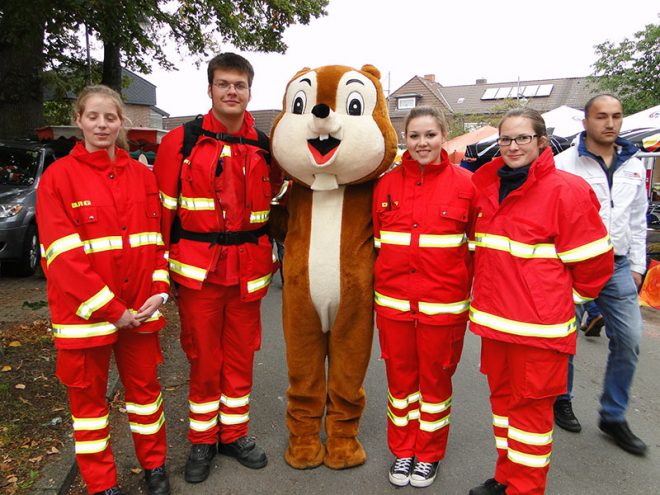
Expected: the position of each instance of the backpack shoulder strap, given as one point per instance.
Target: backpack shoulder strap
(192, 130)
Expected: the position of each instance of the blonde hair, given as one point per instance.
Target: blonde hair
(102, 90)
(426, 111)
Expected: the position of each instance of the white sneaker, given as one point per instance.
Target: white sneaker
(424, 473)
(401, 470)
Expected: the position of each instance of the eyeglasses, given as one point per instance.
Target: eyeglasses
(239, 87)
(522, 139)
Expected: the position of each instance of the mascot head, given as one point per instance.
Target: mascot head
(334, 128)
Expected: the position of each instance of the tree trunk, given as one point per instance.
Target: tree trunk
(111, 66)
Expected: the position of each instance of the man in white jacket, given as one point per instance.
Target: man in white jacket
(608, 164)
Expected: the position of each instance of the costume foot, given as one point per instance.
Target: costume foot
(344, 452)
(305, 452)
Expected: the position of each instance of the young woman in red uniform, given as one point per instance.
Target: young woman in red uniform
(422, 213)
(98, 213)
(540, 247)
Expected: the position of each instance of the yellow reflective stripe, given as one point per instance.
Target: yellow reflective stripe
(154, 316)
(62, 245)
(441, 241)
(259, 216)
(260, 283)
(235, 402)
(472, 245)
(501, 443)
(92, 446)
(94, 303)
(449, 308)
(535, 461)
(579, 299)
(500, 421)
(196, 203)
(402, 403)
(396, 238)
(402, 421)
(390, 302)
(188, 271)
(434, 425)
(144, 409)
(434, 408)
(83, 331)
(89, 424)
(530, 438)
(204, 407)
(168, 201)
(203, 425)
(161, 276)
(522, 328)
(234, 419)
(101, 244)
(377, 242)
(226, 151)
(145, 239)
(587, 251)
(148, 429)
(43, 250)
(166, 255)
(515, 248)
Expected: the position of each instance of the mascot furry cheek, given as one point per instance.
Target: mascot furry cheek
(334, 137)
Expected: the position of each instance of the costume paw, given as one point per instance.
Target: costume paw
(305, 452)
(344, 452)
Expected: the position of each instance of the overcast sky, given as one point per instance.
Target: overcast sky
(458, 41)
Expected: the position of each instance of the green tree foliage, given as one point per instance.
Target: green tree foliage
(631, 69)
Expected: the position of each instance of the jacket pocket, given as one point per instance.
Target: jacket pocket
(545, 377)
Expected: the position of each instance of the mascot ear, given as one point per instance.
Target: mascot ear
(370, 69)
(300, 72)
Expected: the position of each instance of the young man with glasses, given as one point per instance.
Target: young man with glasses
(608, 164)
(214, 180)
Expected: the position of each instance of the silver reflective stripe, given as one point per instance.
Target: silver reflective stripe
(94, 303)
(168, 201)
(148, 429)
(92, 446)
(587, 251)
(529, 460)
(196, 203)
(515, 248)
(449, 308)
(234, 419)
(434, 425)
(204, 407)
(522, 328)
(390, 302)
(83, 331)
(144, 409)
(89, 424)
(441, 241)
(530, 438)
(396, 238)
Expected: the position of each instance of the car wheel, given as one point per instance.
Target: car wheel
(30, 256)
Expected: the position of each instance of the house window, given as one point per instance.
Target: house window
(406, 103)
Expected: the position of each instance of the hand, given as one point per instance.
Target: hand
(637, 278)
(127, 320)
(149, 308)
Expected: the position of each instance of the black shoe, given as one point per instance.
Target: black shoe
(489, 487)
(110, 491)
(246, 451)
(594, 327)
(198, 464)
(423, 473)
(623, 437)
(400, 471)
(157, 482)
(564, 416)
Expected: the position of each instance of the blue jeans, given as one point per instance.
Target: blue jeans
(592, 312)
(623, 326)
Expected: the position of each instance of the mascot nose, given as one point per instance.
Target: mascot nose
(321, 111)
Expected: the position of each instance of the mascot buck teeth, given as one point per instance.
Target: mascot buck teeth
(334, 137)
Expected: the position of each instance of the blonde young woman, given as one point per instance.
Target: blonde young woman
(98, 213)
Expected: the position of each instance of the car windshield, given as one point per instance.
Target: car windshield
(18, 167)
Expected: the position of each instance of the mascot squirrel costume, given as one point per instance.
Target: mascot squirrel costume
(334, 138)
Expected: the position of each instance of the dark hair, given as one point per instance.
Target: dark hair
(426, 111)
(230, 61)
(538, 124)
(102, 90)
(592, 100)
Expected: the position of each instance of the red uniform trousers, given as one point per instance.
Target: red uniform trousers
(420, 360)
(524, 382)
(85, 374)
(219, 334)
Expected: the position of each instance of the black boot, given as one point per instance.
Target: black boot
(157, 482)
(564, 416)
(489, 487)
(246, 451)
(198, 464)
(110, 491)
(623, 437)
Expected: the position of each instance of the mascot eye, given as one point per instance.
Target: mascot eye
(355, 104)
(299, 102)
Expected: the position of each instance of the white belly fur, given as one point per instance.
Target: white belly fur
(324, 248)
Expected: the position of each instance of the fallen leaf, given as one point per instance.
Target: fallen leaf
(55, 409)
(52, 450)
(36, 459)
(19, 386)
(6, 368)
(24, 401)
(14, 343)
(136, 470)
(12, 479)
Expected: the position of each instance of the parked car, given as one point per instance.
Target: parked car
(21, 165)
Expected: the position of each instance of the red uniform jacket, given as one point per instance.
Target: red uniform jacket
(235, 200)
(537, 253)
(102, 252)
(421, 221)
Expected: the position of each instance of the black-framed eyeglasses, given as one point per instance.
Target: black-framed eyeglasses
(239, 87)
(522, 139)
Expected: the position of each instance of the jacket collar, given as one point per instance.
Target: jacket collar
(625, 150)
(410, 165)
(212, 124)
(100, 159)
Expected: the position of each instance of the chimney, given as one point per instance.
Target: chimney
(429, 77)
(481, 81)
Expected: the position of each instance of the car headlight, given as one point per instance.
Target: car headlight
(7, 211)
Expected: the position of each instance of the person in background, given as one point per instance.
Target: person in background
(98, 213)
(539, 246)
(607, 162)
(422, 212)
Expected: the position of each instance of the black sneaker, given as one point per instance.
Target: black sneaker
(623, 437)
(423, 473)
(401, 470)
(594, 327)
(110, 491)
(198, 464)
(246, 451)
(489, 487)
(564, 416)
(157, 482)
